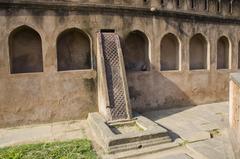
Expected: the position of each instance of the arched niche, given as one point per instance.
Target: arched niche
(136, 56)
(169, 56)
(73, 50)
(198, 52)
(192, 4)
(25, 48)
(223, 53)
(213, 6)
(206, 4)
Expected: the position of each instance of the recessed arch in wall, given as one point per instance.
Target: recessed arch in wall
(193, 4)
(219, 6)
(198, 52)
(206, 5)
(73, 50)
(169, 56)
(136, 54)
(178, 3)
(212, 6)
(25, 50)
(223, 50)
(162, 2)
(230, 7)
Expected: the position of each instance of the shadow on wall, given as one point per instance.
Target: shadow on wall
(151, 90)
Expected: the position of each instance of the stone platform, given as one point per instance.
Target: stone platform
(113, 137)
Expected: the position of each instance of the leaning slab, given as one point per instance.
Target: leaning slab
(113, 140)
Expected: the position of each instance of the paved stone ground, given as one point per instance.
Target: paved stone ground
(219, 148)
(59, 131)
(203, 129)
(176, 153)
(193, 123)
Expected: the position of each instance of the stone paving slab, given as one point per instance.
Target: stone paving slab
(44, 132)
(175, 153)
(203, 128)
(177, 156)
(193, 123)
(215, 148)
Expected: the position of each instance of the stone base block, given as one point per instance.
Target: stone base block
(126, 135)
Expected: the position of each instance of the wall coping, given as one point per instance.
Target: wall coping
(235, 77)
(117, 9)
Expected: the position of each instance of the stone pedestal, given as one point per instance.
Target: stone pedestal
(137, 133)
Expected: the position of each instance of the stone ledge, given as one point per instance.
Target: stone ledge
(235, 77)
(118, 9)
(143, 151)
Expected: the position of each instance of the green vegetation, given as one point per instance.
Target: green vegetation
(183, 143)
(75, 149)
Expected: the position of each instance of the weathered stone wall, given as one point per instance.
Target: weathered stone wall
(234, 108)
(234, 102)
(54, 95)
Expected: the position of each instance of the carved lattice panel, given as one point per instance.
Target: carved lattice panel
(118, 105)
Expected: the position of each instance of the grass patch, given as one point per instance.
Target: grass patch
(75, 149)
